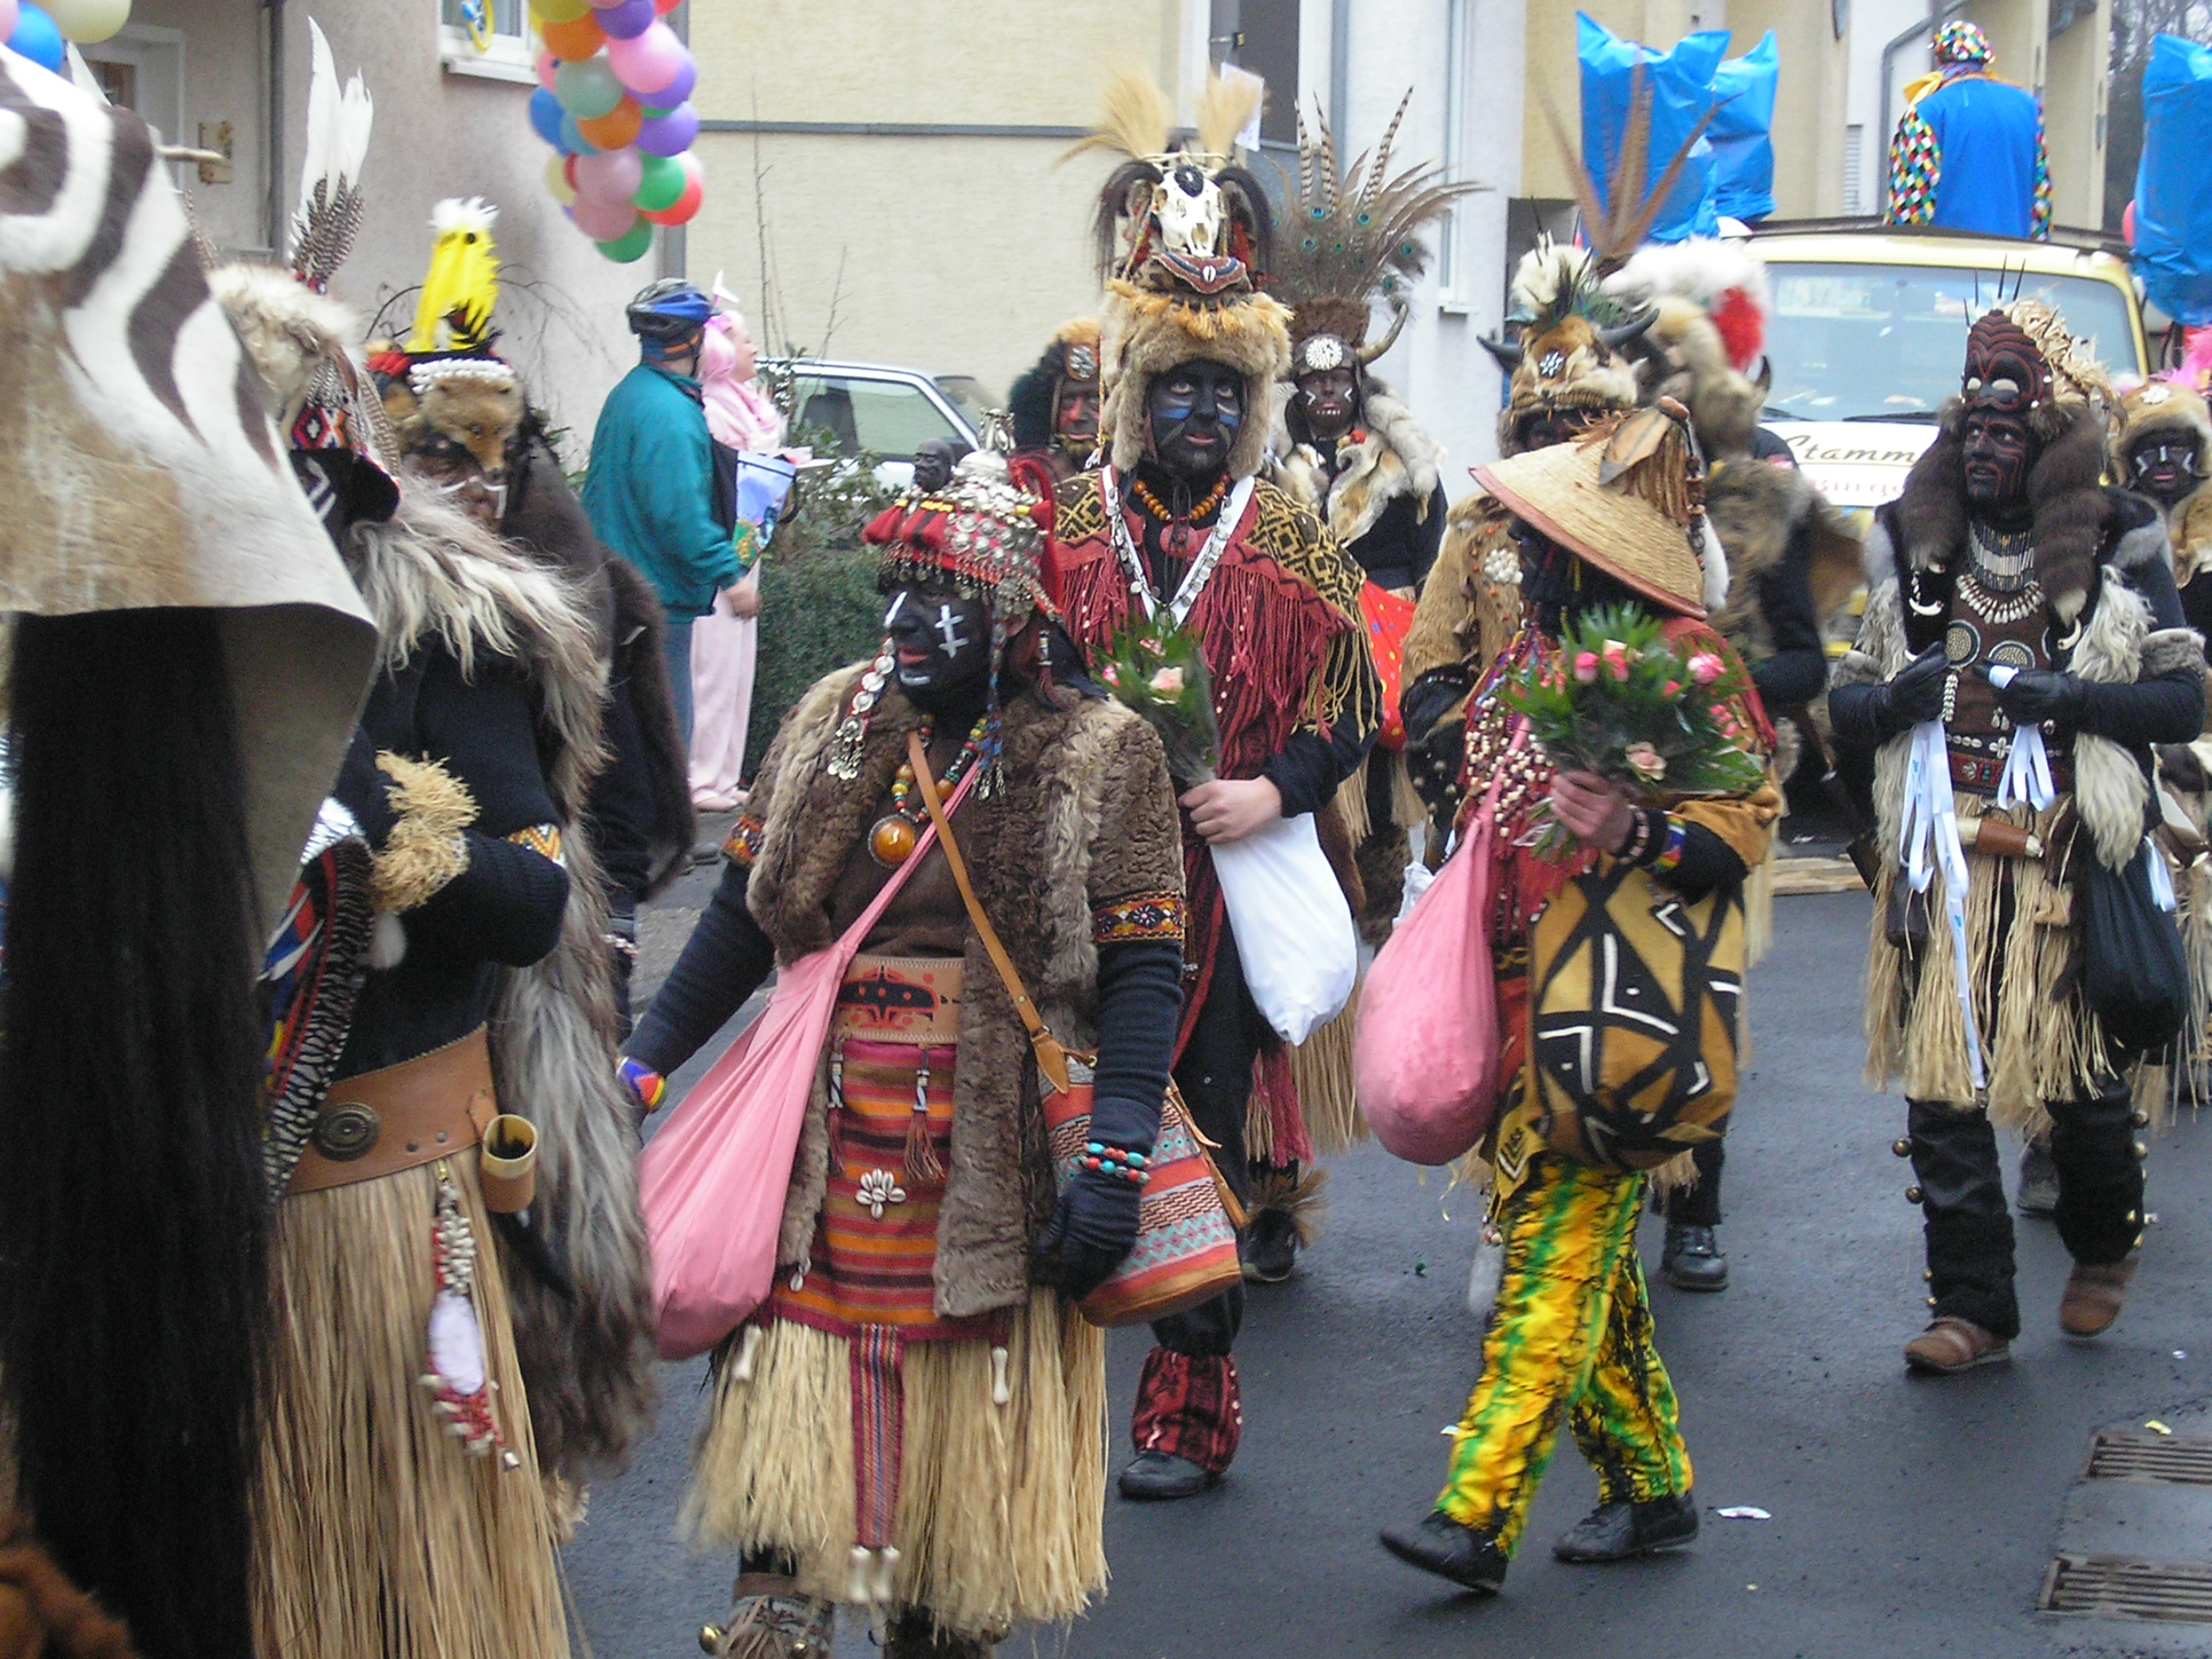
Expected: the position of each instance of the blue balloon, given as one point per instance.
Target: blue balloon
(37, 38)
(546, 115)
(572, 141)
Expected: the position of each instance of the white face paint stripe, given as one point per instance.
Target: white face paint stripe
(948, 629)
(898, 604)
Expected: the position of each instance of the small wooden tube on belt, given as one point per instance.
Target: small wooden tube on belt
(415, 1113)
(1999, 839)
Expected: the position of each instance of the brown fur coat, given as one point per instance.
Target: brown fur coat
(1087, 818)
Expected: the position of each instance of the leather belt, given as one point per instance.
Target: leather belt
(414, 1113)
(1981, 774)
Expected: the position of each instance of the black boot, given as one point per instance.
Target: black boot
(1160, 1477)
(1437, 1543)
(1618, 1532)
(1692, 1260)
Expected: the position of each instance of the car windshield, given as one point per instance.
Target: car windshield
(847, 415)
(968, 395)
(1869, 342)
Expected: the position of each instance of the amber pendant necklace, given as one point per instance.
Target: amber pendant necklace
(891, 842)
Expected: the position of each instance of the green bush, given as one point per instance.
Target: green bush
(817, 612)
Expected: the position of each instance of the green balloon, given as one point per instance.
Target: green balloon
(632, 246)
(662, 185)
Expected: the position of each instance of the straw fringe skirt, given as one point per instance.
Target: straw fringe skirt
(1002, 1509)
(379, 1536)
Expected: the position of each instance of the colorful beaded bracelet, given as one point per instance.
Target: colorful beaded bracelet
(1677, 840)
(1113, 1160)
(646, 1084)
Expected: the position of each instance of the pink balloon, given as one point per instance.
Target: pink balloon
(548, 67)
(612, 176)
(603, 221)
(648, 62)
(10, 14)
(2127, 222)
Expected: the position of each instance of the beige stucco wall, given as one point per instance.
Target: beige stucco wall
(956, 254)
(1809, 109)
(2077, 77)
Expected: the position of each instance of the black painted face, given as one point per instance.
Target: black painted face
(1541, 431)
(942, 639)
(2165, 465)
(1331, 397)
(1999, 450)
(1194, 412)
(932, 465)
(1075, 417)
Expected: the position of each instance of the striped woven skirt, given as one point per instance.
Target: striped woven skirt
(903, 1459)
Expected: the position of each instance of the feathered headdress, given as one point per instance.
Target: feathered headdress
(1709, 302)
(1354, 237)
(1184, 239)
(461, 289)
(329, 213)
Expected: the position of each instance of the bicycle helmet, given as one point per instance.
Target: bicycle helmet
(669, 311)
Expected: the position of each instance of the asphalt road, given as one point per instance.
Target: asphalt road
(1910, 1516)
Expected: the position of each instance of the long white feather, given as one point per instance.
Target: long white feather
(356, 116)
(322, 113)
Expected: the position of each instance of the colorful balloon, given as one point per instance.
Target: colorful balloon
(2127, 221)
(557, 182)
(649, 64)
(676, 91)
(664, 7)
(558, 12)
(628, 20)
(603, 221)
(573, 140)
(588, 90)
(7, 18)
(35, 37)
(618, 129)
(661, 187)
(671, 132)
(612, 176)
(546, 116)
(628, 249)
(87, 21)
(573, 42)
(687, 205)
(548, 70)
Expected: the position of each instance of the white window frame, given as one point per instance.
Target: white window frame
(1453, 297)
(509, 57)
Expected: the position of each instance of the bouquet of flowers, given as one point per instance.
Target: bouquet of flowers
(1157, 668)
(1623, 701)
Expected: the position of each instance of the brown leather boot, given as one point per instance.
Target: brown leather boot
(2094, 1296)
(1952, 1344)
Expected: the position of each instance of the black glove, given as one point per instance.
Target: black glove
(1915, 695)
(1095, 1221)
(2035, 695)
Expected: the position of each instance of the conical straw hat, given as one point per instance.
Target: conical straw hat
(1556, 490)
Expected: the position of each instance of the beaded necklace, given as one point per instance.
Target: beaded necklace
(1202, 568)
(1177, 533)
(891, 841)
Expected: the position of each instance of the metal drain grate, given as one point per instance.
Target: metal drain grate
(2148, 1457)
(2118, 1587)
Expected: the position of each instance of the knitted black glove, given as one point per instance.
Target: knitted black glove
(2035, 695)
(1915, 695)
(1095, 1221)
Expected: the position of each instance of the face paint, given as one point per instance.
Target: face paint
(1194, 411)
(1331, 402)
(941, 639)
(1998, 451)
(2164, 468)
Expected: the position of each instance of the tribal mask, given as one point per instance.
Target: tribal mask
(2005, 371)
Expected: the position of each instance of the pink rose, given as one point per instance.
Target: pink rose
(1111, 679)
(1705, 667)
(1674, 688)
(1646, 762)
(1616, 655)
(1586, 667)
(1168, 682)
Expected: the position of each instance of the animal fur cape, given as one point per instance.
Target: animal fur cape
(1395, 457)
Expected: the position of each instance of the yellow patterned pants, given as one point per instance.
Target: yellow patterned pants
(1570, 1338)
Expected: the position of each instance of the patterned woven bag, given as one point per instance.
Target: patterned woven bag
(1634, 1004)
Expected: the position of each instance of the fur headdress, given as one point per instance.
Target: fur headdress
(2163, 407)
(1355, 237)
(1707, 335)
(1569, 353)
(1071, 358)
(1183, 236)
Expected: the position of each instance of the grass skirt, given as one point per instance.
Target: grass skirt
(1002, 1509)
(379, 1536)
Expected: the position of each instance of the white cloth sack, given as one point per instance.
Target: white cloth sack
(1292, 928)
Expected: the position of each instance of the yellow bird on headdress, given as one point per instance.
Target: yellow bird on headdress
(462, 287)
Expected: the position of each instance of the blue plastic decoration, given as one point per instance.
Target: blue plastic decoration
(2173, 186)
(546, 116)
(37, 38)
(1742, 132)
(1680, 87)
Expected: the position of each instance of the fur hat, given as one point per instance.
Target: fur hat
(2162, 406)
(1570, 352)
(1185, 235)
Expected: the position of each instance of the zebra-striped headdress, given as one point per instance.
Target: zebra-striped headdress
(137, 464)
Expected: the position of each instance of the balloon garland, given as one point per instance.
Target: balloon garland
(613, 101)
(43, 32)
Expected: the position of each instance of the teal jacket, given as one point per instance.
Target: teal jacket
(650, 490)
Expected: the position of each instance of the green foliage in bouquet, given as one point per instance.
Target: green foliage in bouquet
(1623, 701)
(1158, 669)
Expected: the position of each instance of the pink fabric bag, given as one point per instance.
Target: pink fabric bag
(712, 1182)
(1424, 1055)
